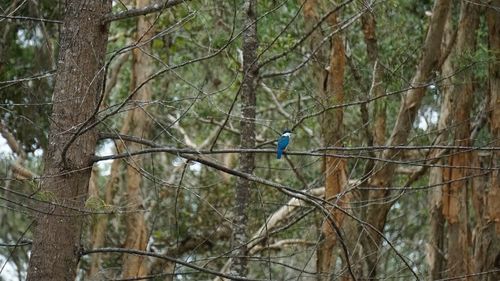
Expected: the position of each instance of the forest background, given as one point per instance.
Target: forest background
(138, 140)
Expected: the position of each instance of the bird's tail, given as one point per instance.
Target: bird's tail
(278, 153)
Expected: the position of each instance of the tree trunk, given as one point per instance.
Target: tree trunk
(320, 58)
(247, 139)
(455, 192)
(335, 168)
(375, 135)
(56, 241)
(100, 226)
(139, 125)
(376, 88)
(436, 248)
(377, 213)
(487, 252)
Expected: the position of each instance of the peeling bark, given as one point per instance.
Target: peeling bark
(435, 248)
(487, 242)
(139, 123)
(383, 172)
(455, 193)
(330, 87)
(335, 168)
(320, 59)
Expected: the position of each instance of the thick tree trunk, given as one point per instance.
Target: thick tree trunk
(487, 252)
(455, 193)
(56, 241)
(377, 213)
(139, 124)
(436, 249)
(375, 135)
(335, 168)
(247, 139)
(320, 58)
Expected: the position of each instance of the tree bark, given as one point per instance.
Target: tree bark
(56, 241)
(334, 168)
(383, 172)
(436, 248)
(320, 58)
(139, 125)
(247, 139)
(487, 251)
(99, 229)
(100, 226)
(455, 193)
(375, 135)
(376, 88)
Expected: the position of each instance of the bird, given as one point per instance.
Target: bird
(283, 143)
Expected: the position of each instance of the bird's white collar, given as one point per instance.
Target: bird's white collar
(286, 134)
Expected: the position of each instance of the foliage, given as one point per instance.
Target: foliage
(186, 201)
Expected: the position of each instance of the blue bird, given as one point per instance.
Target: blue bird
(283, 143)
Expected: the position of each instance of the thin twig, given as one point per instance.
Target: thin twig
(141, 11)
(22, 18)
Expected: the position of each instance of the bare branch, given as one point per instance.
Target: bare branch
(164, 257)
(183, 152)
(142, 11)
(279, 245)
(22, 18)
(34, 77)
